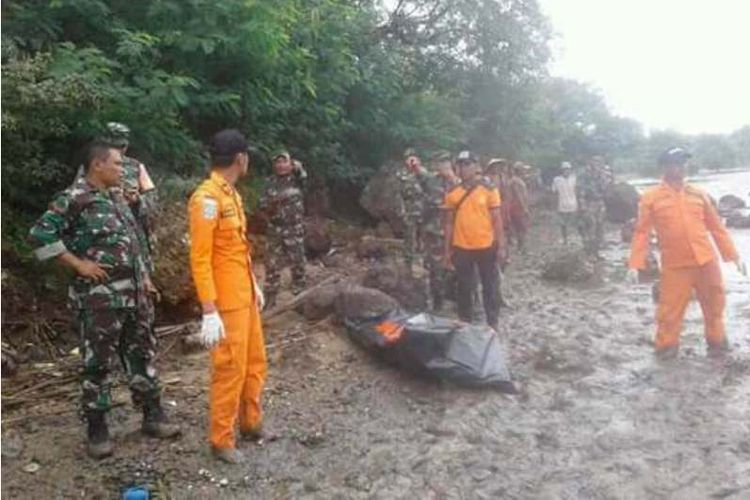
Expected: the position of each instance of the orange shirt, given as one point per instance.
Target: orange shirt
(682, 218)
(219, 250)
(472, 224)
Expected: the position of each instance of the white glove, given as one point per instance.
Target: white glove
(741, 267)
(212, 329)
(260, 300)
(632, 277)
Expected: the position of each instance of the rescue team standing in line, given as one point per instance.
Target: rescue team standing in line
(100, 228)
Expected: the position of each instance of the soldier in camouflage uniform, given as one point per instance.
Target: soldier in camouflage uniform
(436, 184)
(89, 228)
(591, 187)
(284, 205)
(140, 194)
(412, 196)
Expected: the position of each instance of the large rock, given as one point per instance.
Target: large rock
(172, 256)
(621, 200)
(317, 238)
(394, 280)
(355, 301)
(571, 267)
(381, 198)
(739, 220)
(729, 203)
(321, 303)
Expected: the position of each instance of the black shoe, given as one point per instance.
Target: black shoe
(155, 422)
(99, 445)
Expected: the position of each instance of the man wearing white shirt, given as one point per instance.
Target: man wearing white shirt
(567, 203)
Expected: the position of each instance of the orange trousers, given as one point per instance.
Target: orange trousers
(238, 372)
(677, 287)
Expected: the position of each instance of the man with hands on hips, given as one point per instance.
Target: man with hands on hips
(230, 298)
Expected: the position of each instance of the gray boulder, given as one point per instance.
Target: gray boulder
(739, 220)
(621, 200)
(381, 198)
(395, 281)
(571, 267)
(729, 203)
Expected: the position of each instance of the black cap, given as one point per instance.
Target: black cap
(228, 143)
(674, 156)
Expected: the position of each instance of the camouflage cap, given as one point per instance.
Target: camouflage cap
(496, 163)
(409, 153)
(118, 134)
(442, 155)
(282, 153)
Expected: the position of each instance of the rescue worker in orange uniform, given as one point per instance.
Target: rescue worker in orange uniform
(683, 217)
(230, 297)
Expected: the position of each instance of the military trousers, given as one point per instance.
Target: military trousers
(282, 251)
(592, 226)
(411, 238)
(109, 334)
(436, 271)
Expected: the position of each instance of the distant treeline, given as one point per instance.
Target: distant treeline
(345, 84)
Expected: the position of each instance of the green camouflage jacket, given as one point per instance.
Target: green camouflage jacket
(591, 186)
(283, 202)
(143, 205)
(412, 193)
(435, 188)
(96, 226)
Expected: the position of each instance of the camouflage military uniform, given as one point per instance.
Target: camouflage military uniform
(435, 189)
(142, 205)
(591, 187)
(98, 226)
(412, 196)
(283, 202)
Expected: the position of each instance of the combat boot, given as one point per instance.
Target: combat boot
(99, 445)
(155, 422)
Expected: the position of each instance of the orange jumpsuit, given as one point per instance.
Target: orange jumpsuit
(683, 219)
(222, 272)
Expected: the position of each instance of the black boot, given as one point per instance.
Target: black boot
(155, 422)
(99, 445)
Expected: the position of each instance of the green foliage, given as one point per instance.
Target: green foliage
(346, 86)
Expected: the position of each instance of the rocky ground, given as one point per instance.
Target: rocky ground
(597, 416)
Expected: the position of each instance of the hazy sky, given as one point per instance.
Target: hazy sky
(679, 64)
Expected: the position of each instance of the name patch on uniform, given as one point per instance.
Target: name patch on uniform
(210, 208)
(228, 212)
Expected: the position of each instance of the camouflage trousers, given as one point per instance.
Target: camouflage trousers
(411, 239)
(107, 334)
(436, 271)
(592, 221)
(280, 252)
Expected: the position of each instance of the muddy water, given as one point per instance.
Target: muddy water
(598, 416)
